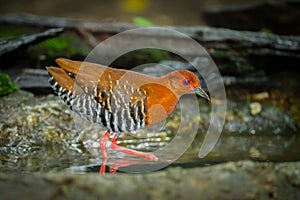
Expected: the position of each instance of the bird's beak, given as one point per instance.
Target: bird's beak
(199, 91)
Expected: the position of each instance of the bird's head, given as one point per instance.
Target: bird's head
(186, 82)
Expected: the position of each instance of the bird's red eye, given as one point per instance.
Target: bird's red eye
(186, 82)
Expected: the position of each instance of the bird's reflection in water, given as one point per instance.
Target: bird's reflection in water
(130, 165)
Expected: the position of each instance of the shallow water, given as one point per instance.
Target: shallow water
(35, 139)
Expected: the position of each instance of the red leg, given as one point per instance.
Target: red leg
(103, 166)
(103, 144)
(104, 153)
(130, 151)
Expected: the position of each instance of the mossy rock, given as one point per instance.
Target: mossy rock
(6, 85)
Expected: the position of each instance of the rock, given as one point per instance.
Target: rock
(255, 153)
(260, 96)
(233, 180)
(35, 80)
(255, 108)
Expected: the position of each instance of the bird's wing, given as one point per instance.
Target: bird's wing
(99, 89)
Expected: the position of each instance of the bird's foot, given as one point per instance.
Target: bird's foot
(150, 156)
(116, 147)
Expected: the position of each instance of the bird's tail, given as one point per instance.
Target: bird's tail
(75, 73)
(60, 77)
(69, 65)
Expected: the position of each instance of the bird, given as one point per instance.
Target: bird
(120, 100)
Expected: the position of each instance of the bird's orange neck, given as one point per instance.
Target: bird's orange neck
(161, 102)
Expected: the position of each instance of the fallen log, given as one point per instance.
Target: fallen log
(11, 44)
(253, 43)
(279, 17)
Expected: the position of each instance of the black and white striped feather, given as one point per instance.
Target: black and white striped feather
(118, 111)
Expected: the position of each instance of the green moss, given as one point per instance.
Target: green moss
(140, 57)
(232, 62)
(266, 30)
(64, 45)
(220, 54)
(55, 45)
(149, 55)
(141, 21)
(12, 32)
(155, 54)
(6, 85)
